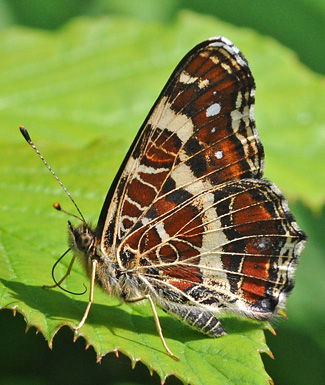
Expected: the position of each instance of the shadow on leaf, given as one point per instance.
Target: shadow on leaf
(63, 310)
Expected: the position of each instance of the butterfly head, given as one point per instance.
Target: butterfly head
(82, 240)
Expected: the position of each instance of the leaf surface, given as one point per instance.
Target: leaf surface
(83, 92)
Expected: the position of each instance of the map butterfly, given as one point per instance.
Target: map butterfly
(189, 223)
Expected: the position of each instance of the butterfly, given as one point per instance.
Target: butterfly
(189, 223)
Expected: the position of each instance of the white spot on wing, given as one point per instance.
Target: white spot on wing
(213, 110)
(218, 154)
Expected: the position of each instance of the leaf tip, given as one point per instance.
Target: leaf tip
(14, 310)
(98, 359)
(133, 362)
(272, 330)
(282, 314)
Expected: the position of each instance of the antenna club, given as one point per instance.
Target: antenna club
(57, 206)
(25, 134)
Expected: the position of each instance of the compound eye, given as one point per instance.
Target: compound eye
(84, 241)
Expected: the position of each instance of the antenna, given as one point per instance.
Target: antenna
(58, 207)
(25, 134)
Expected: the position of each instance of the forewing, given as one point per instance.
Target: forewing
(200, 133)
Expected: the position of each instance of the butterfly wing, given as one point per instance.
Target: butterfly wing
(189, 211)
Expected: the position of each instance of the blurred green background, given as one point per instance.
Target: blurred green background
(298, 348)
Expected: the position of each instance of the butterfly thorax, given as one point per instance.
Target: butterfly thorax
(113, 279)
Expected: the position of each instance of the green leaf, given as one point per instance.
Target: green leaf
(83, 92)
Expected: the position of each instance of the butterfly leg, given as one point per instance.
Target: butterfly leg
(94, 263)
(201, 319)
(157, 323)
(63, 278)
